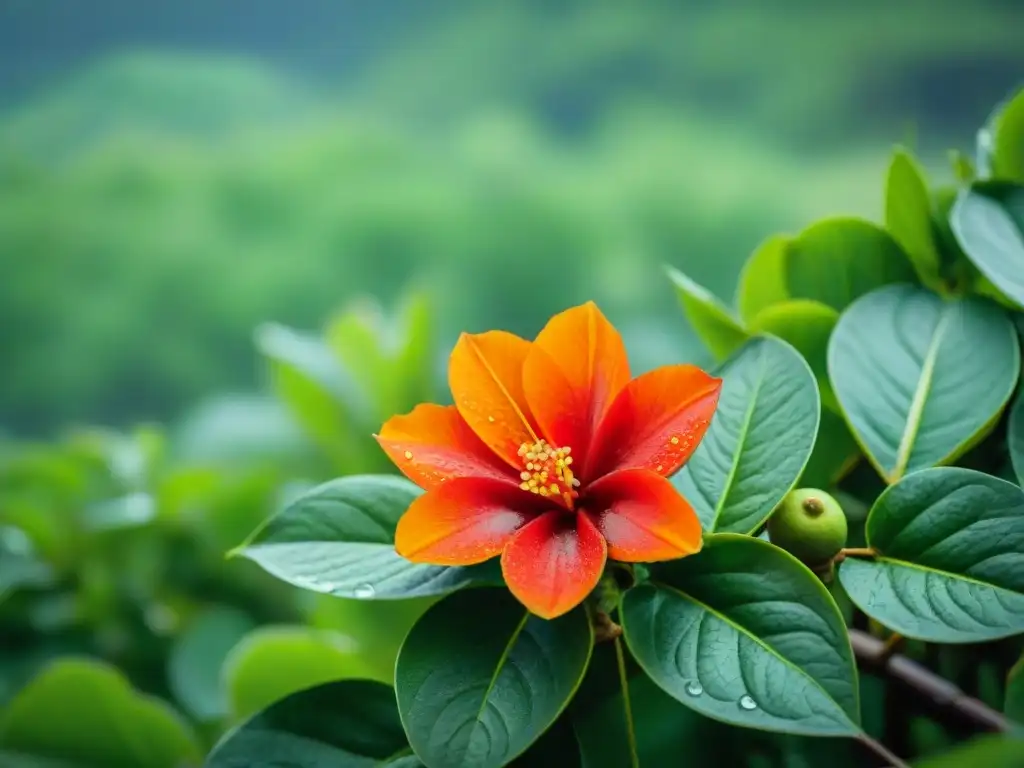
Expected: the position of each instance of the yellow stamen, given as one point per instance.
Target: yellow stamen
(547, 471)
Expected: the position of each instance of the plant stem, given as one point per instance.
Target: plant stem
(627, 705)
(857, 552)
(943, 695)
(880, 749)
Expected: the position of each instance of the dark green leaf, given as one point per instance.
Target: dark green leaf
(338, 539)
(1015, 437)
(197, 657)
(742, 632)
(908, 216)
(988, 221)
(806, 325)
(995, 751)
(274, 661)
(345, 724)
(1014, 705)
(950, 564)
(759, 440)
(479, 679)
(721, 333)
(835, 453)
(87, 713)
(919, 377)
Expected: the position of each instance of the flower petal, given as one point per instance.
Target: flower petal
(656, 422)
(463, 521)
(577, 366)
(643, 517)
(554, 562)
(433, 443)
(485, 374)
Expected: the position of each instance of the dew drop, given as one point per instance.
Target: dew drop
(694, 688)
(408, 454)
(364, 591)
(747, 703)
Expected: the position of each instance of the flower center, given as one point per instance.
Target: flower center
(547, 471)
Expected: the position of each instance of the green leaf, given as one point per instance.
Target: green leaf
(338, 539)
(950, 564)
(1008, 140)
(908, 216)
(345, 724)
(479, 679)
(1015, 437)
(919, 377)
(994, 751)
(1014, 706)
(86, 712)
(274, 661)
(713, 322)
(835, 453)
(759, 440)
(806, 325)
(197, 657)
(743, 633)
(762, 282)
(988, 221)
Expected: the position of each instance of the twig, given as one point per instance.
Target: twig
(939, 692)
(891, 760)
(855, 552)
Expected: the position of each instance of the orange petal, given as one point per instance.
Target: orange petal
(554, 562)
(433, 443)
(577, 366)
(485, 374)
(463, 521)
(656, 422)
(642, 517)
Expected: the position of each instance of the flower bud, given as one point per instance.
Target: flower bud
(810, 525)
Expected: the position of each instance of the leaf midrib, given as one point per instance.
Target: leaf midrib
(948, 574)
(740, 628)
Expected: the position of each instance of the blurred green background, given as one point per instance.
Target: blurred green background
(184, 184)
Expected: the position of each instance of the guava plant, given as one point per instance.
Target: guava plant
(601, 546)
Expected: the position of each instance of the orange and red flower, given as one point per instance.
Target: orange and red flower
(553, 458)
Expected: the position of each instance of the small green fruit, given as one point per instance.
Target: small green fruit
(810, 525)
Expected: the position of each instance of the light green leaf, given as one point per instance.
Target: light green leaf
(759, 439)
(988, 221)
(994, 751)
(806, 325)
(950, 564)
(713, 322)
(762, 282)
(919, 377)
(87, 713)
(196, 659)
(345, 724)
(743, 633)
(479, 679)
(1008, 140)
(274, 661)
(1014, 706)
(908, 216)
(338, 539)
(1015, 437)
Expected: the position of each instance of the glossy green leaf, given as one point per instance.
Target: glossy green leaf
(345, 724)
(950, 564)
(759, 440)
(338, 539)
(1014, 705)
(1015, 437)
(908, 216)
(196, 659)
(993, 751)
(919, 377)
(86, 712)
(762, 281)
(988, 221)
(274, 661)
(744, 633)
(806, 325)
(713, 322)
(479, 679)
(1008, 140)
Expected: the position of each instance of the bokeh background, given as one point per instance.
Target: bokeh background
(235, 236)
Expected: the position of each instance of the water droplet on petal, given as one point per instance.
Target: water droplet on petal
(364, 591)
(694, 688)
(747, 703)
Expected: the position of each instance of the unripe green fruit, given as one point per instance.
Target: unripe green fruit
(810, 525)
